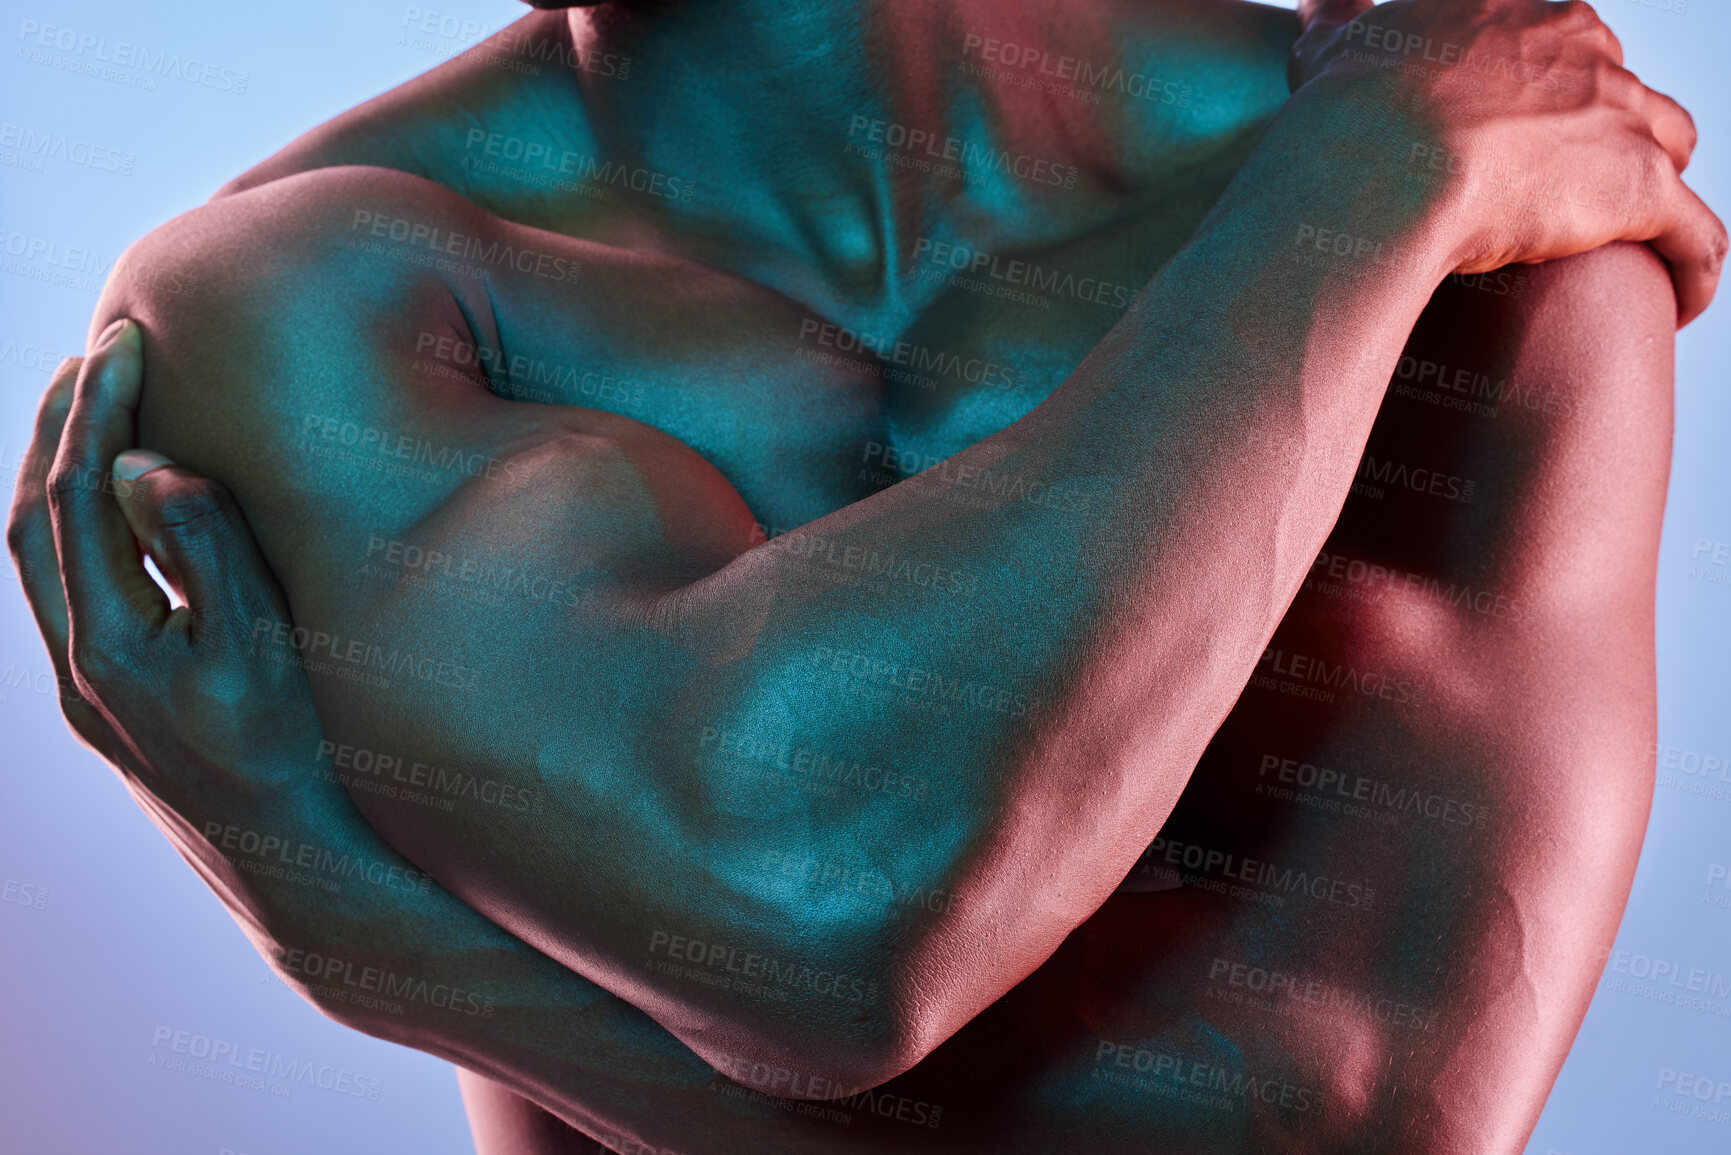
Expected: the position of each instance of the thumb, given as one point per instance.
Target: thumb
(1318, 22)
(195, 532)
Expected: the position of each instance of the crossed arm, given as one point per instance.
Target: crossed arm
(1501, 919)
(1135, 773)
(1098, 645)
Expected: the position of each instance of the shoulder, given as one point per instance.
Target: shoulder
(1189, 76)
(428, 126)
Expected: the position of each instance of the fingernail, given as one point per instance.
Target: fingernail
(109, 334)
(135, 463)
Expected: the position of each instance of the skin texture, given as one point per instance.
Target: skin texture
(1526, 914)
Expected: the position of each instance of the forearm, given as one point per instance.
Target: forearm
(1118, 558)
(360, 933)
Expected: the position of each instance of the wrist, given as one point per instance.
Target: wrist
(1353, 147)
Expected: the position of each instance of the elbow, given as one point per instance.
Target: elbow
(844, 1021)
(817, 1032)
(797, 1063)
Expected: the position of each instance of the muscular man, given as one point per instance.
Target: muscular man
(842, 814)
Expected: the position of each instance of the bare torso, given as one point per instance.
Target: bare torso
(1158, 1026)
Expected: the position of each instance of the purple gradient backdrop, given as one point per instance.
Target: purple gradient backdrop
(106, 938)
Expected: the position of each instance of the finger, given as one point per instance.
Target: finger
(30, 536)
(129, 468)
(1587, 22)
(1693, 243)
(201, 542)
(109, 596)
(30, 530)
(1672, 127)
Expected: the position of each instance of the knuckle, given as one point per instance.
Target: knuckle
(71, 481)
(1659, 179)
(1718, 243)
(57, 398)
(1686, 126)
(192, 509)
(22, 530)
(95, 663)
(108, 660)
(1613, 84)
(1573, 12)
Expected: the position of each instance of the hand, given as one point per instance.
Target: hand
(1521, 109)
(134, 673)
(216, 746)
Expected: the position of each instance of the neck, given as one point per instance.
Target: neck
(778, 114)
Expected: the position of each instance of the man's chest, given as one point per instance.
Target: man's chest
(944, 297)
(807, 415)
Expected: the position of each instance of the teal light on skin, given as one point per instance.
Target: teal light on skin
(1086, 688)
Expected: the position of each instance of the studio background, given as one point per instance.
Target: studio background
(107, 938)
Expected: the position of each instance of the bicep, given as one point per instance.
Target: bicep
(1391, 910)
